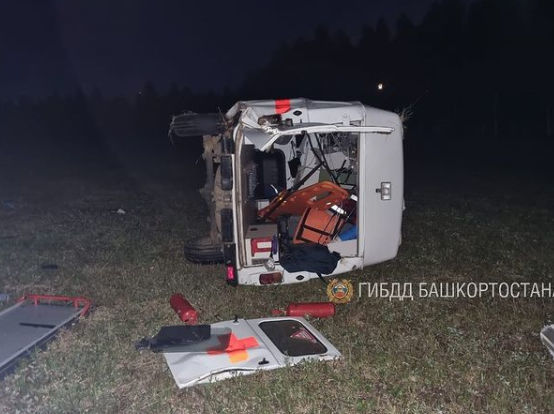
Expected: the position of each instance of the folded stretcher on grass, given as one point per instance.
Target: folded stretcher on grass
(32, 321)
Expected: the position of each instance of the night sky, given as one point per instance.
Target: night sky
(54, 46)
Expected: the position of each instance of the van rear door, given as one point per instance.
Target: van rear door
(382, 191)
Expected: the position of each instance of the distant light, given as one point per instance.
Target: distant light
(380, 86)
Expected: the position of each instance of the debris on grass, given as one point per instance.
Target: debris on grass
(33, 321)
(248, 346)
(547, 338)
(184, 309)
(175, 338)
(8, 205)
(313, 309)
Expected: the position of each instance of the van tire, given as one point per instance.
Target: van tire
(203, 251)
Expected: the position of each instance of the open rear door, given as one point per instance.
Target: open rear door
(382, 189)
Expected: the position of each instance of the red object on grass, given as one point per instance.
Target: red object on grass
(314, 309)
(184, 309)
(77, 301)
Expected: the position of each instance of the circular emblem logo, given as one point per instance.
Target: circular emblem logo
(340, 291)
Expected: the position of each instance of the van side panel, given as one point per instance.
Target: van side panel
(382, 163)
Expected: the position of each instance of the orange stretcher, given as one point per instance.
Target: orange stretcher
(319, 196)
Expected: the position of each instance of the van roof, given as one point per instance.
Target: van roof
(314, 111)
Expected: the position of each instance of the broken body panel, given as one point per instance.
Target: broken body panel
(255, 345)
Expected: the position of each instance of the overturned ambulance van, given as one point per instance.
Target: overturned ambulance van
(298, 189)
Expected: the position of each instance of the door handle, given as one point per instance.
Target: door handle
(385, 190)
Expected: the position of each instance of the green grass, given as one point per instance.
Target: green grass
(420, 356)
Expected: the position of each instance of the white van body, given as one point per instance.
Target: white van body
(365, 139)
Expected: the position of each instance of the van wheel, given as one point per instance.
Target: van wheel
(203, 250)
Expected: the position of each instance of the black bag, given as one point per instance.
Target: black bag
(174, 338)
(313, 258)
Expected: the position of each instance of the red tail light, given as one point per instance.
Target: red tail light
(231, 276)
(269, 278)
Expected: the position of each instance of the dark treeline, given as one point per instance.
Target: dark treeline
(482, 72)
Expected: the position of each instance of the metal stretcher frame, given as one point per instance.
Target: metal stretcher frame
(32, 321)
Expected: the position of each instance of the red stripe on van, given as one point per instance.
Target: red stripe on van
(282, 106)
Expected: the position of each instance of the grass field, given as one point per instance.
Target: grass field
(420, 356)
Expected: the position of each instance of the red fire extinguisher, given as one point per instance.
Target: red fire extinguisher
(313, 309)
(184, 309)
